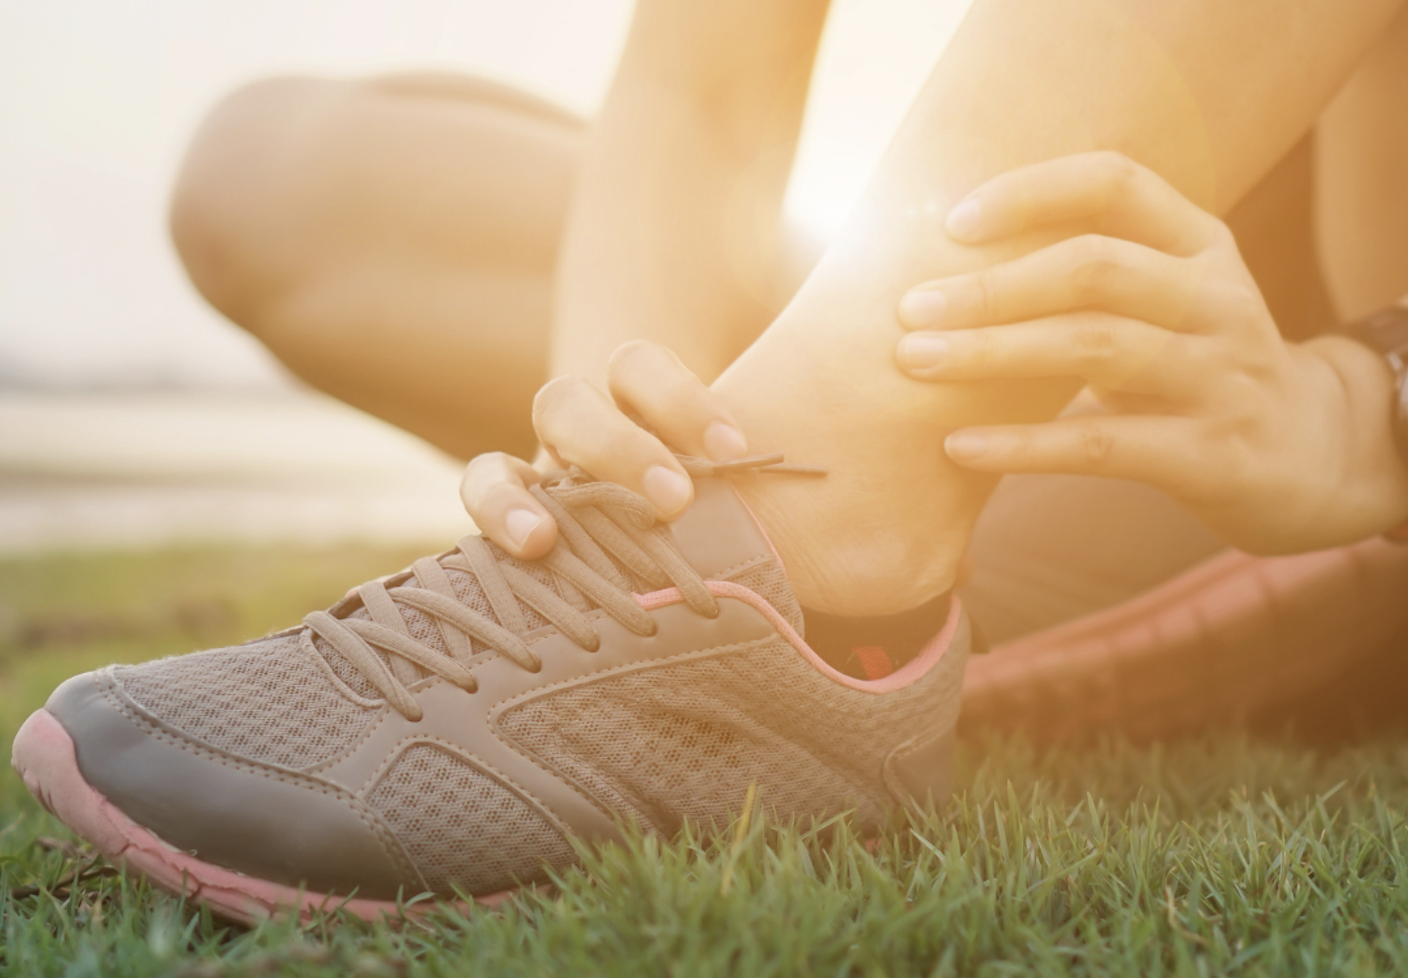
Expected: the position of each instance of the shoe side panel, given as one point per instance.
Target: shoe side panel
(684, 738)
(264, 821)
(464, 828)
(919, 771)
(466, 723)
(267, 701)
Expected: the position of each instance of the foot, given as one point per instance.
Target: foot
(452, 727)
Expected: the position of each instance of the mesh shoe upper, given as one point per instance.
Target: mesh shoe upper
(268, 701)
(686, 741)
(474, 768)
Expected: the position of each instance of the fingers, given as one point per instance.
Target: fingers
(1123, 198)
(580, 425)
(1149, 449)
(495, 492)
(1086, 272)
(1106, 351)
(651, 381)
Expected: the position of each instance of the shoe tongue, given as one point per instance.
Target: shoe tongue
(720, 539)
(717, 533)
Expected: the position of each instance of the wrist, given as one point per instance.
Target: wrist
(1366, 483)
(1386, 334)
(1371, 355)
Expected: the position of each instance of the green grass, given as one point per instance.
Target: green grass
(1221, 855)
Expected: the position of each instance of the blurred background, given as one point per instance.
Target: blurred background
(131, 414)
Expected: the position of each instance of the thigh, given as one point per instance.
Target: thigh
(1052, 548)
(392, 240)
(1362, 180)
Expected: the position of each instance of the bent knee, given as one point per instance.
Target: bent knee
(238, 213)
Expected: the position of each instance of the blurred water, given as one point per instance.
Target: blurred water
(138, 470)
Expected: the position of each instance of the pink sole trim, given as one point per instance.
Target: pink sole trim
(45, 758)
(913, 670)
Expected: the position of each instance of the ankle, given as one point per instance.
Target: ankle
(843, 563)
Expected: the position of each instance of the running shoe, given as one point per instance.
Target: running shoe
(452, 728)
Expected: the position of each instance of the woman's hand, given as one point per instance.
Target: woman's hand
(1158, 314)
(579, 425)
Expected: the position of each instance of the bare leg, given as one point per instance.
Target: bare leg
(1362, 187)
(391, 240)
(1209, 95)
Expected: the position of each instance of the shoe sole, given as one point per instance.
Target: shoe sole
(1215, 645)
(45, 758)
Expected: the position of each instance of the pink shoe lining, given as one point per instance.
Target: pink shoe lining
(44, 756)
(912, 670)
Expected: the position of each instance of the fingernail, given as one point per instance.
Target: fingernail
(520, 524)
(963, 220)
(724, 442)
(666, 488)
(923, 351)
(965, 446)
(923, 307)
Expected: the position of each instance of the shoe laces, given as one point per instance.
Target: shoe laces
(603, 528)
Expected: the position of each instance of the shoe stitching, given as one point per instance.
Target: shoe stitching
(317, 770)
(913, 745)
(499, 709)
(161, 731)
(430, 682)
(306, 646)
(394, 750)
(745, 646)
(459, 751)
(758, 560)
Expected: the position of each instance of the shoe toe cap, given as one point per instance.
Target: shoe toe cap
(258, 819)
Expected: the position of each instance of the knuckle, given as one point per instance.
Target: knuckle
(1231, 428)
(1243, 303)
(553, 397)
(678, 393)
(485, 477)
(1095, 444)
(649, 375)
(987, 291)
(631, 355)
(1096, 265)
(496, 499)
(483, 467)
(1120, 171)
(1096, 343)
(623, 447)
(1222, 234)
(977, 352)
(487, 462)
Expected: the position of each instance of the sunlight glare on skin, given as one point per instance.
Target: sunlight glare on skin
(873, 59)
(974, 151)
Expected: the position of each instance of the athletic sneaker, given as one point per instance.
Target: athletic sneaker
(450, 728)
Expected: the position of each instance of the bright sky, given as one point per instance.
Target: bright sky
(98, 98)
